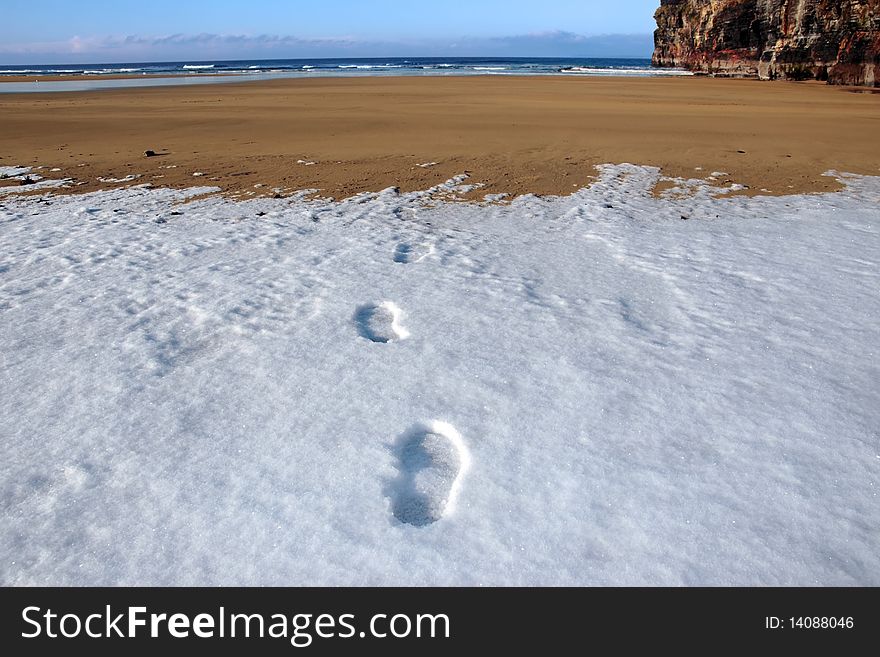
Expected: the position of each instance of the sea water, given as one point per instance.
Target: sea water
(194, 72)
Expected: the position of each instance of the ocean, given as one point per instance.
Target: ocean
(87, 77)
(361, 66)
(274, 68)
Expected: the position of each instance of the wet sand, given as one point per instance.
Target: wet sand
(513, 134)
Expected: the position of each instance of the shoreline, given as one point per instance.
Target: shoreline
(512, 134)
(75, 77)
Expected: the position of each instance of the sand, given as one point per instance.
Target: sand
(515, 135)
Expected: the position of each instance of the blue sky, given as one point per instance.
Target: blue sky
(55, 31)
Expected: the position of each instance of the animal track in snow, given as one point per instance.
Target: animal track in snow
(406, 253)
(432, 461)
(380, 322)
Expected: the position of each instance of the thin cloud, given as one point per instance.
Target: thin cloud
(93, 44)
(244, 46)
(569, 44)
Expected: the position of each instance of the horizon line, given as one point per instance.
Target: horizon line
(283, 59)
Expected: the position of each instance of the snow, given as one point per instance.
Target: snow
(14, 172)
(380, 322)
(128, 178)
(591, 391)
(22, 173)
(433, 458)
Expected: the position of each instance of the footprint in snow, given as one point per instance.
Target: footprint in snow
(406, 253)
(432, 461)
(380, 322)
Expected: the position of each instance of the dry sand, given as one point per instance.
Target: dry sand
(515, 134)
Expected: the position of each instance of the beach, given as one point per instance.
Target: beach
(511, 135)
(283, 351)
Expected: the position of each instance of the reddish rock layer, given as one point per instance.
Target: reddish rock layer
(833, 40)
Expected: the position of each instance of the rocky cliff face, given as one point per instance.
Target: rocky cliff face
(834, 40)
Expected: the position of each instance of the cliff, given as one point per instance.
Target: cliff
(834, 40)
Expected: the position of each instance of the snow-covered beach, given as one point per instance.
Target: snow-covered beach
(607, 388)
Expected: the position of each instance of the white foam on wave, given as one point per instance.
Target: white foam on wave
(365, 67)
(197, 66)
(587, 70)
